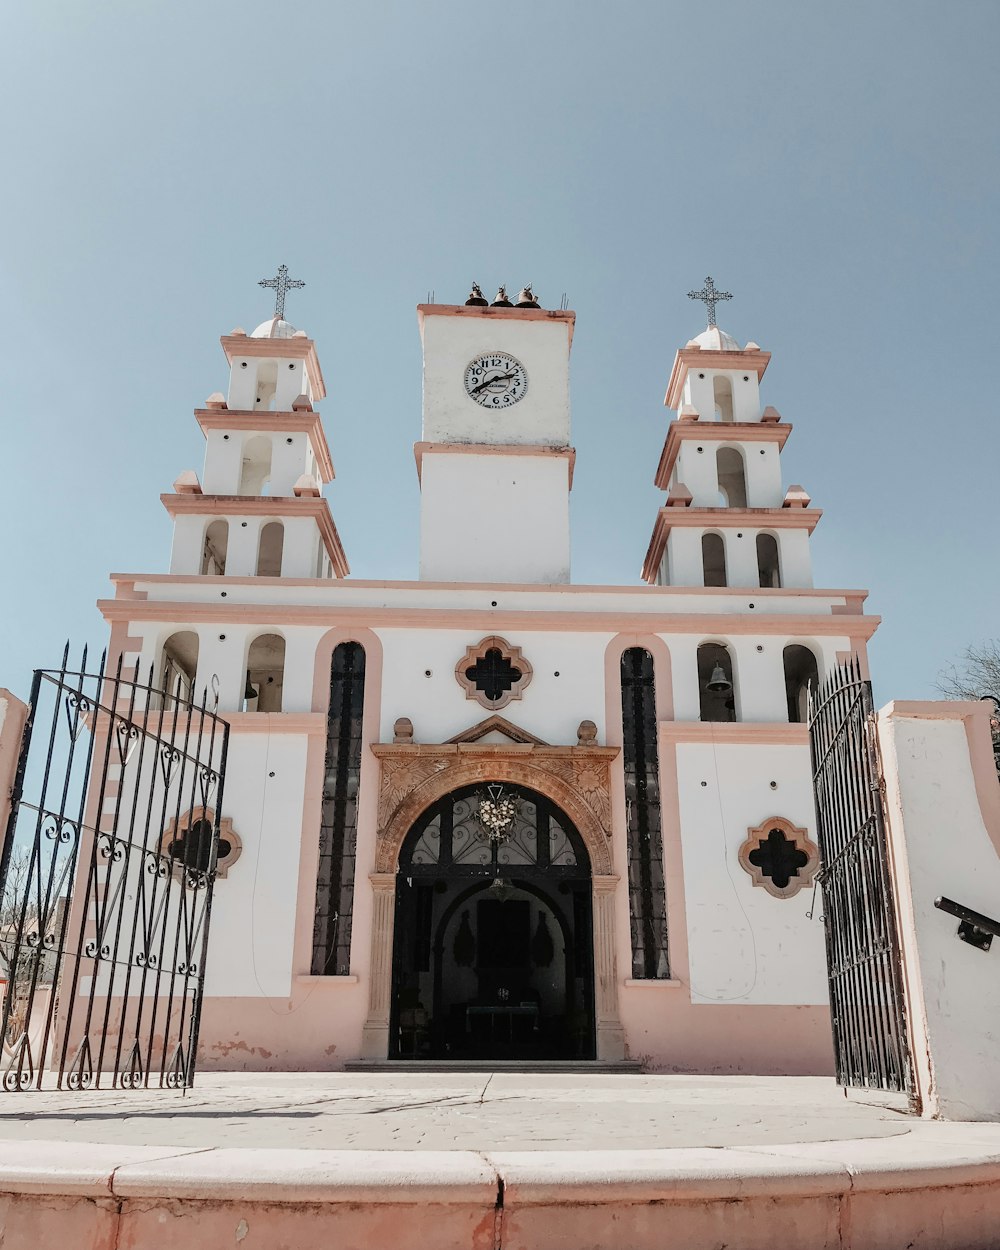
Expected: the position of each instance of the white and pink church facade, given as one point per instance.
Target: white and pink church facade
(516, 818)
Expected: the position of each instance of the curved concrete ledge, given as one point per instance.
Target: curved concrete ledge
(932, 1186)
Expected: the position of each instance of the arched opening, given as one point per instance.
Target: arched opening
(716, 687)
(265, 674)
(269, 549)
(179, 667)
(722, 391)
(256, 466)
(213, 553)
(732, 476)
(713, 559)
(267, 385)
(493, 942)
(768, 571)
(801, 673)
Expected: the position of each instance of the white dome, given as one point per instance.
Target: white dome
(714, 340)
(274, 329)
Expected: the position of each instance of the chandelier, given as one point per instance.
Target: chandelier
(497, 812)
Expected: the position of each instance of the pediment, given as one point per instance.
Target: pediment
(497, 729)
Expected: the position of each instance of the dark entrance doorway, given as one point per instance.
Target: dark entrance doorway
(493, 940)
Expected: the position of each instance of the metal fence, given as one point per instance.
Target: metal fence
(106, 882)
(862, 943)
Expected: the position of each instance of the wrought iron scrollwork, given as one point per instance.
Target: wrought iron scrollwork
(91, 916)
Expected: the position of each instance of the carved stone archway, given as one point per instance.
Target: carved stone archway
(414, 776)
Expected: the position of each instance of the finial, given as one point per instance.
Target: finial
(476, 297)
(526, 299)
(710, 296)
(501, 300)
(280, 284)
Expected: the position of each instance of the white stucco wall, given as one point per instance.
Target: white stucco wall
(552, 707)
(745, 946)
(255, 907)
(542, 346)
(943, 805)
(505, 518)
(699, 392)
(292, 380)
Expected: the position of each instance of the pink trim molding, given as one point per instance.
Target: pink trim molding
(679, 432)
(265, 505)
(503, 314)
(688, 357)
(715, 518)
(747, 733)
(479, 621)
(295, 422)
(493, 449)
(236, 345)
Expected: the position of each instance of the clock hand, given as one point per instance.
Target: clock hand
(500, 377)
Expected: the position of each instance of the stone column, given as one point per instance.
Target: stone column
(610, 1035)
(375, 1037)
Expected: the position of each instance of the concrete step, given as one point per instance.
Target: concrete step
(567, 1067)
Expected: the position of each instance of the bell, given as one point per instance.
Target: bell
(526, 298)
(501, 300)
(476, 297)
(250, 692)
(719, 683)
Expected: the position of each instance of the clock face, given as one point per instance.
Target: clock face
(496, 380)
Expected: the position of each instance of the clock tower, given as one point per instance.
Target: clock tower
(495, 462)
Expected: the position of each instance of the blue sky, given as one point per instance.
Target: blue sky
(834, 166)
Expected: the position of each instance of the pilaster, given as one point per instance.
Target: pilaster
(610, 1034)
(375, 1035)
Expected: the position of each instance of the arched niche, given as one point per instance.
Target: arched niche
(801, 670)
(722, 393)
(716, 682)
(713, 560)
(265, 674)
(256, 467)
(179, 666)
(768, 567)
(215, 548)
(270, 548)
(732, 476)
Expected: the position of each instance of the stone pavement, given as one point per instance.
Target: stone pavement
(490, 1161)
(455, 1111)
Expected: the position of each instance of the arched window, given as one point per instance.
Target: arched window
(646, 889)
(256, 466)
(767, 561)
(339, 821)
(732, 476)
(713, 559)
(213, 555)
(272, 541)
(265, 674)
(715, 682)
(722, 391)
(179, 666)
(801, 672)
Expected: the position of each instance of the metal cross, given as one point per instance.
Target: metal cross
(281, 284)
(710, 296)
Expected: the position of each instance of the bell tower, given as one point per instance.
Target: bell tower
(495, 462)
(728, 520)
(258, 511)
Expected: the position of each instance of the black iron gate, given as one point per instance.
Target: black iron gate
(106, 882)
(862, 942)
